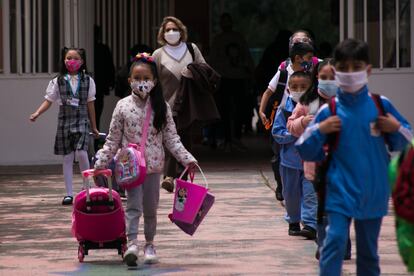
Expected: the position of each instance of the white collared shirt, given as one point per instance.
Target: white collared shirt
(53, 94)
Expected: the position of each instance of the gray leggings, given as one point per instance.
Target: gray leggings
(143, 199)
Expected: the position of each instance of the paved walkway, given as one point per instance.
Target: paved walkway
(244, 233)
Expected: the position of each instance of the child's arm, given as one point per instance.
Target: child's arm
(92, 118)
(279, 130)
(173, 143)
(299, 120)
(396, 127)
(42, 108)
(113, 140)
(310, 143)
(266, 96)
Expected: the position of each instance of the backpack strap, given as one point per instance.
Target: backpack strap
(276, 98)
(282, 66)
(333, 138)
(378, 103)
(145, 130)
(191, 50)
(381, 110)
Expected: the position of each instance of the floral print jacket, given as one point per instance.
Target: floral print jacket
(127, 126)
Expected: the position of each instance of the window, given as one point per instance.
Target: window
(126, 23)
(31, 36)
(385, 25)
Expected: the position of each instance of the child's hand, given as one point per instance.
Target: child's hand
(192, 166)
(388, 123)
(306, 120)
(330, 125)
(263, 118)
(95, 132)
(34, 116)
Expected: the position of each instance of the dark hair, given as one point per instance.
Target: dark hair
(351, 49)
(300, 49)
(156, 95)
(300, 31)
(312, 93)
(62, 67)
(300, 74)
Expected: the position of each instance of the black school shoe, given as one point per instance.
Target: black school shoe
(294, 229)
(279, 195)
(67, 200)
(308, 232)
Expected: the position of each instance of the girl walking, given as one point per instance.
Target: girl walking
(127, 127)
(74, 90)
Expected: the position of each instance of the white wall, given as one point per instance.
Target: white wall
(27, 143)
(399, 88)
(24, 142)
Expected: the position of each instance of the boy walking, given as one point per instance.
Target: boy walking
(357, 183)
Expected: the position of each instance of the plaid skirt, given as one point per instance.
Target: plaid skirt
(72, 134)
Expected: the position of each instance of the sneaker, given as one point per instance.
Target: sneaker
(67, 200)
(168, 184)
(294, 229)
(131, 255)
(308, 232)
(150, 255)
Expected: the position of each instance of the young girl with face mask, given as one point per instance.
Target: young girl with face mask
(127, 127)
(171, 59)
(74, 90)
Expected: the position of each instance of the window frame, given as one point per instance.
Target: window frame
(347, 9)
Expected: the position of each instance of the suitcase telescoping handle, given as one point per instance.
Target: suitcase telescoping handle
(87, 174)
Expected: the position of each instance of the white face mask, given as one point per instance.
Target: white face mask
(172, 37)
(142, 88)
(351, 82)
(296, 95)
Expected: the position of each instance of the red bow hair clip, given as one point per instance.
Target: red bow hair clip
(144, 57)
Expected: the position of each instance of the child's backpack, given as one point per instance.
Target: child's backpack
(275, 99)
(130, 170)
(403, 192)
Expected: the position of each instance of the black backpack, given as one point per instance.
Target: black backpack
(276, 98)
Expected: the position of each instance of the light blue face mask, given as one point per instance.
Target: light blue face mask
(328, 88)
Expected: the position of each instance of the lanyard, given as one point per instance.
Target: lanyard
(77, 88)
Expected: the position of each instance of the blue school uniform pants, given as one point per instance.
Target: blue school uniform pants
(300, 197)
(366, 231)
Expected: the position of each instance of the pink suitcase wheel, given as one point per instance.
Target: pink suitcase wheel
(81, 253)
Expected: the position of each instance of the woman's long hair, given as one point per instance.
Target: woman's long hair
(156, 95)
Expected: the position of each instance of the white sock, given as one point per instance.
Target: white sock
(68, 172)
(82, 156)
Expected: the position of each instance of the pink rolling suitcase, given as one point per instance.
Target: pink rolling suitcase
(98, 220)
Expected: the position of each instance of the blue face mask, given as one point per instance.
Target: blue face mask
(306, 65)
(328, 88)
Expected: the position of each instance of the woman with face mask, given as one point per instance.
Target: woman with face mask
(171, 59)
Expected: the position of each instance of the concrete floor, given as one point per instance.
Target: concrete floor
(244, 233)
